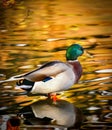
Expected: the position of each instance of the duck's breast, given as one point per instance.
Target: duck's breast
(77, 69)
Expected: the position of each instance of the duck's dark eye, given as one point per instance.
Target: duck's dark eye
(20, 82)
(81, 49)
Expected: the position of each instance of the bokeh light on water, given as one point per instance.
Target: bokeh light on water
(34, 32)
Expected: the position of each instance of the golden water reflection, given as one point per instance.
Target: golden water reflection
(34, 32)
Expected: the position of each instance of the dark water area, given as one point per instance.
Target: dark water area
(33, 32)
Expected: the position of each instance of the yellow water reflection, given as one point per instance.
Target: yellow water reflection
(34, 32)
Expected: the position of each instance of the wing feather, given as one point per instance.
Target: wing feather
(49, 69)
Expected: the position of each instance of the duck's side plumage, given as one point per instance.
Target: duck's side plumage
(53, 76)
(60, 81)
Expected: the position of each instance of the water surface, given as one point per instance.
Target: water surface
(34, 32)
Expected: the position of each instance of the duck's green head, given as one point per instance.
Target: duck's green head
(74, 51)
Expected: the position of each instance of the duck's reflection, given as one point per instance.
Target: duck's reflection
(44, 112)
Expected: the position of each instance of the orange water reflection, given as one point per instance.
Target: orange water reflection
(34, 32)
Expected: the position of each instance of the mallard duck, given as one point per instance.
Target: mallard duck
(54, 76)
